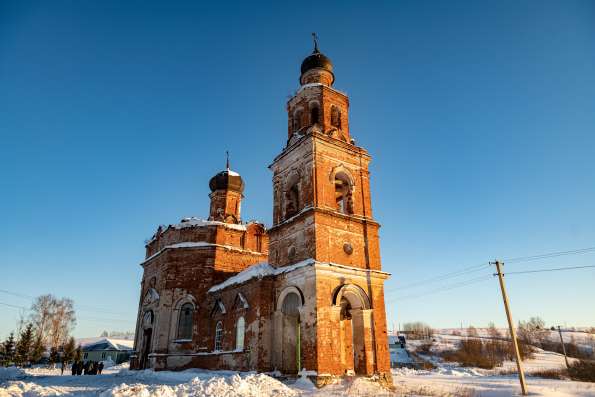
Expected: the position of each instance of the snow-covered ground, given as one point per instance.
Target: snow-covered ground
(583, 339)
(470, 382)
(122, 382)
(449, 379)
(445, 381)
(542, 359)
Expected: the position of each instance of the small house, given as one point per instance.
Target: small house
(108, 349)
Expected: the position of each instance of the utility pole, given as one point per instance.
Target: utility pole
(563, 347)
(511, 326)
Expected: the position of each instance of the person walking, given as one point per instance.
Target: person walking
(100, 367)
(62, 367)
(73, 369)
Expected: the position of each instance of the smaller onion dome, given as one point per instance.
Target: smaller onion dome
(316, 60)
(227, 180)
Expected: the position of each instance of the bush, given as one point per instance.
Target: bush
(474, 353)
(424, 348)
(572, 349)
(582, 370)
(485, 354)
(553, 373)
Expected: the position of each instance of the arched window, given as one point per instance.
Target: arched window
(185, 321)
(297, 120)
(218, 336)
(314, 114)
(292, 201)
(259, 242)
(343, 196)
(240, 331)
(335, 117)
(291, 304)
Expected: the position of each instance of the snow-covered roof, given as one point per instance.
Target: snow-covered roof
(193, 222)
(310, 85)
(259, 270)
(103, 343)
(198, 244)
(197, 222)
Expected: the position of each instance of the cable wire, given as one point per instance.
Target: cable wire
(83, 308)
(549, 255)
(476, 268)
(549, 270)
(447, 287)
(15, 306)
(445, 276)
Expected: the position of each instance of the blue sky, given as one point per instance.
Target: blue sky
(479, 116)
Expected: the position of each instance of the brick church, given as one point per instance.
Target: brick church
(306, 294)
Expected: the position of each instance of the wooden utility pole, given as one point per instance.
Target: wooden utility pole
(512, 330)
(563, 347)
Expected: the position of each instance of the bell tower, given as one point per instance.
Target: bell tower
(322, 221)
(321, 184)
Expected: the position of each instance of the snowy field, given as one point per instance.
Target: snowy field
(446, 380)
(123, 382)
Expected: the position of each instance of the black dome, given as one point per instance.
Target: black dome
(317, 60)
(227, 180)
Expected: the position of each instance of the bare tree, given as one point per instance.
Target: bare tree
(472, 331)
(53, 320)
(418, 330)
(41, 312)
(62, 322)
(493, 331)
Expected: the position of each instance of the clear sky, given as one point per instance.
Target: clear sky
(480, 117)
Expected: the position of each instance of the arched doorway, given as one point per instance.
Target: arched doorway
(290, 333)
(147, 339)
(353, 301)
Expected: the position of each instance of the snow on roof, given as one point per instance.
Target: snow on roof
(310, 85)
(192, 222)
(259, 271)
(232, 173)
(188, 244)
(198, 244)
(103, 343)
(197, 222)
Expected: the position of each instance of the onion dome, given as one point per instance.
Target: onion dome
(316, 60)
(317, 67)
(227, 180)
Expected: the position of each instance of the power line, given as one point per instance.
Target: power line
(447, 287)
(482, 266)
(550, 270)
(80, 307)
(77, 317)
(444, 276)
(16, 294)
(549, 255)
(15, 306)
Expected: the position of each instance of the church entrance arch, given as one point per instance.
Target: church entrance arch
(353, 326)
(290, 305)
(147, 339)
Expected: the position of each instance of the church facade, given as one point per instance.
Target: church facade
(305, 295)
